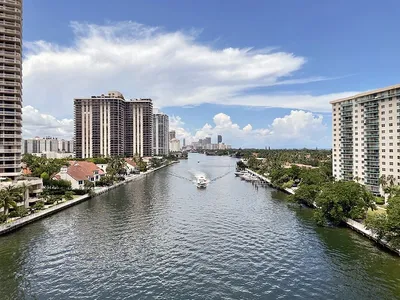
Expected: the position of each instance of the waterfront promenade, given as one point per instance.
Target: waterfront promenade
(18, 223)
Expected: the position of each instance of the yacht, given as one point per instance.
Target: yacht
(239, 173)
(201, 182)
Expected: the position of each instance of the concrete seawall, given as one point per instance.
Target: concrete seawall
(356, 226)
(9, 227)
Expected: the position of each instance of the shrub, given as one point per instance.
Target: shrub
(39, 205)
(22, 211)
(379, 200)
(13, 214)
(69, 195)
(3, 218)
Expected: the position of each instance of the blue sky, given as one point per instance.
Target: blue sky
(329, 49)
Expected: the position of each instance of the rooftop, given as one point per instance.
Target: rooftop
(366, 93)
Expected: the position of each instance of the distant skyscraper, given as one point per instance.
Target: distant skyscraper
(172, 135)
(160, 134)
(11, 87)
(107, 125)
(184, 143)
(207, 141)
(219, 139)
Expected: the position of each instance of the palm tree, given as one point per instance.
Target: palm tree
(9, 198)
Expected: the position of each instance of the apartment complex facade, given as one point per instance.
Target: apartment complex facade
(139, 128)
(366, 137)
(108, 125)
(161, 134)
(10, 87)
(47, 144)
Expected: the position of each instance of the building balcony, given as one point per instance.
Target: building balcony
(10, 83)
(7, 68)
(10, 151)
(10, 166)
(9, 61)
(10, 136)
(16, 106)
(9, 16)
(10, 98)
(16, 144)
(10, 46)
(10, 24)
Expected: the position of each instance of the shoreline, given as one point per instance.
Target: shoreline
(352, 224)
(18, 223)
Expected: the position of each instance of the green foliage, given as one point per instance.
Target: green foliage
(22, 211)
(307, 194)
(61, 184)
(379, 200)
(241, 165)
(155, 163)
(88, 185)
(288, 184)
(340, 200)
(69, 195)
(105, 181)
(116, 167)
(39, 205)
(40, 166)
(3, 218)
(387, 226)
(9, 197)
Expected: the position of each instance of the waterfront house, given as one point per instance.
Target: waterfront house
(130, 166)
(78, 172)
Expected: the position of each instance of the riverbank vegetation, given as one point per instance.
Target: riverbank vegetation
(308, 173)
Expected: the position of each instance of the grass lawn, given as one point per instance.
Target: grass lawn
(376, 211)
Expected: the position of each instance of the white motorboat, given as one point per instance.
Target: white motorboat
(239, 173)
(201, 182)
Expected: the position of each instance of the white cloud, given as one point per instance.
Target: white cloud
(39, 124)
(298, 129)
(173, 68)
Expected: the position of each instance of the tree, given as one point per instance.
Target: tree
(387, 226)
(9, 197)
(340, 200)
(116, 166)
(307, 194)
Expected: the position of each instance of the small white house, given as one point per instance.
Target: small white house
(78, 172)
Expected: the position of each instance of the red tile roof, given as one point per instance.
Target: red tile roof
(82, 170)
(130, 162)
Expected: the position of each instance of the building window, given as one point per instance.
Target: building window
(390, 124)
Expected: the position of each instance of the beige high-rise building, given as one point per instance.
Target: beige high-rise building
(160, 134)
(108, 125)
(10, 87)
(366, 137)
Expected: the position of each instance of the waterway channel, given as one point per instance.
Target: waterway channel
(162, 238)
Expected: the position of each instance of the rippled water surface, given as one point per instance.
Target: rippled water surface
(162, 238)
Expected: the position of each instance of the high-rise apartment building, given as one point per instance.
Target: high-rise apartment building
(139, 127)
(108, 125)
(160, 134)
(172, 135)
(10, 87)
(47, 144)
(219, 139)
(366, 137)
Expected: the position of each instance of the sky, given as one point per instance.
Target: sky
(260, 73)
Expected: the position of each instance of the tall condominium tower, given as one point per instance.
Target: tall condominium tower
(107, 125)
(139, 127)
(160, 134)
(366, 137)
(10, 87)
(99, 125)
(219, 139)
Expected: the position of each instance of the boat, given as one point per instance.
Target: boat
(201, 182)
(239, 173)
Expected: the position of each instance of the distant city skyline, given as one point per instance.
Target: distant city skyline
(254, 87)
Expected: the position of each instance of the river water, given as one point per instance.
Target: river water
(162, 238)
